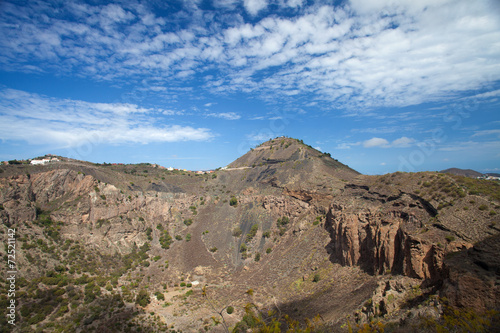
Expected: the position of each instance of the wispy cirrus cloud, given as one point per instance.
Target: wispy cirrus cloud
(390, 55)
(225, 115)
(64, 123)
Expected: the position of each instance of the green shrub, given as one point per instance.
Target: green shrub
(188, 237)
(237, 232)
(166, 240)
(230, 310)
(317, 220)
(188, 222)
(142, 298)
(268, 250)
(160, 296)
(213, 249)
(233, 202)
(253, 231)
(178, 237)
(483, 207)
(257, 256)
(283, 221)
(316, 277)
(149, 231)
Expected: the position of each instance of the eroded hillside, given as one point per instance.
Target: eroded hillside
(130, 248)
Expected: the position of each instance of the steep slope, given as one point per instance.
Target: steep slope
(101, 247)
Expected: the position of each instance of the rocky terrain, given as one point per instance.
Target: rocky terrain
(285, 228)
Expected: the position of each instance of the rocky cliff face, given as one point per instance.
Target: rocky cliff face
(473, 275)
(385, 235)
(397, 235)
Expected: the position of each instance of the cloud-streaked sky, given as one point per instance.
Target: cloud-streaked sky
(382, 85)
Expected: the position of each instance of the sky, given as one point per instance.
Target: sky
(381, 85)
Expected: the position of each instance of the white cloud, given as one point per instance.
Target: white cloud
(263, 135)
(343, 146)
(402, 142)
(225, 115)
(365, 53)
(490, 94)
(254, 6)
(487, 133)
(65, 123)
(292, 3)
(347, 145)
(472, 146)
(376, 142)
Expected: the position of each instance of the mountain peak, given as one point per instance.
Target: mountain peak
(278, 150)
(290, 163)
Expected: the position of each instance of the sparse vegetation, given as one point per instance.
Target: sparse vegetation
(142, 298)
(237, 232)
(283, 221)
(251, 234)
(165, 240)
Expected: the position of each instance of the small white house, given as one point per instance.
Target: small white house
(39, 162)
(44, 161)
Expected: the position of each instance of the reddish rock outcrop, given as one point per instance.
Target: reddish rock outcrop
(383, 241)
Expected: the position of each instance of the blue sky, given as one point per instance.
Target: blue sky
(380, 85)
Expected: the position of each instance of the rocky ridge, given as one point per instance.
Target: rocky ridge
(327, 240)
